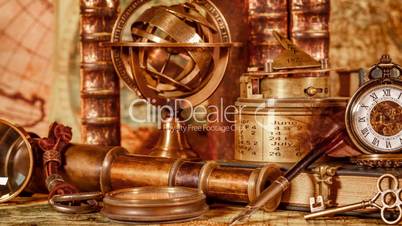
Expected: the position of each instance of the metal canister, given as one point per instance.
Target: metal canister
(283, 130)
(120, 170)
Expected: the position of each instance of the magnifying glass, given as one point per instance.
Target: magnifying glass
(16, 160)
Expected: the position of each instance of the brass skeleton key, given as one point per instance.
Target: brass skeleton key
(360, 205)
(386, 206)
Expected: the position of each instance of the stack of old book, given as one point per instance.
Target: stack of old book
(342, 183)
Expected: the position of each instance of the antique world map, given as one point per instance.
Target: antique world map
(26, 49)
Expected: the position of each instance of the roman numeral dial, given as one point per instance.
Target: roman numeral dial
(376, 119)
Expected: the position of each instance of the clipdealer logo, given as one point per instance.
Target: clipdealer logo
(203, 117)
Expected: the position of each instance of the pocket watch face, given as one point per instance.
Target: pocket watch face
(376, 119)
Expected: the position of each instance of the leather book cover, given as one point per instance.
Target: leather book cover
(266, 16)
(309, 26)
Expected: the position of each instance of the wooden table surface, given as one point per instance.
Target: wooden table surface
(38, 212)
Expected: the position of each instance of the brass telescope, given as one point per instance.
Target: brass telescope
(99, 168)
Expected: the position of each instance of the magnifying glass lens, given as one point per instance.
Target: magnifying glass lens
(15, 161)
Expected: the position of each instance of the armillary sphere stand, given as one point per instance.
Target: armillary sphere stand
(173, 141)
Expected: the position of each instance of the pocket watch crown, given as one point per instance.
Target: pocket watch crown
(385, 59)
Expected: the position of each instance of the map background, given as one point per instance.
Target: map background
(39, 58)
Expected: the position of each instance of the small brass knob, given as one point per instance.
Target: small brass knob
(312, 91)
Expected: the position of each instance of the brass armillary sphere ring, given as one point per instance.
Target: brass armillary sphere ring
(171, 52)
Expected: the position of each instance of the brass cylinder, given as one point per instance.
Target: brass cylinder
(237, 184)
(82, 165)
(283, 130)
(233, 187)
(210, 184)
(187, 174)
(121, 170)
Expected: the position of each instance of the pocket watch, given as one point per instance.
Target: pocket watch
(374, 113)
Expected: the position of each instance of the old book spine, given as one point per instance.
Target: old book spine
(265, 17)
(309, 26)
(100, 97)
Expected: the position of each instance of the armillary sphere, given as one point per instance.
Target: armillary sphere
(172, 54)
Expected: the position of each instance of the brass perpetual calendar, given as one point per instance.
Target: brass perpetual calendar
(280, 107)
(374, 113)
